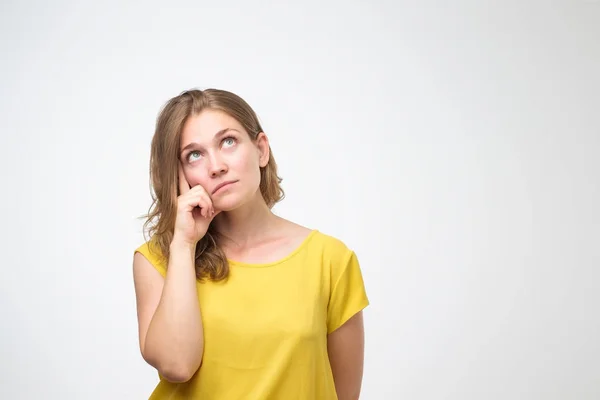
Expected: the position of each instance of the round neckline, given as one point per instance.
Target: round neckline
(281, 260)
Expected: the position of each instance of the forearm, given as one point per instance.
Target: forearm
(175, 342)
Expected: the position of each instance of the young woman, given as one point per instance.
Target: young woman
(234, 302)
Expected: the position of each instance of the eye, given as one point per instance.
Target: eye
(229, 141)
(193, 155)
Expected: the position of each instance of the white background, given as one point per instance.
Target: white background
(453, 145)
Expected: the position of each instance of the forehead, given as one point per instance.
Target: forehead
(204, 126)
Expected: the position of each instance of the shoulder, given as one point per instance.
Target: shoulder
(332, 245)
(342, 271)
(324, 249)
(152, 252)
(332, 251)
(327, 246)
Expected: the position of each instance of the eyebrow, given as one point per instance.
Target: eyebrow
(217, 136)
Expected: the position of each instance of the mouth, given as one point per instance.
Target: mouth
(222, 185)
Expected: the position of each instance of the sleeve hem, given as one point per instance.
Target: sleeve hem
(361, 306)
(145, 251)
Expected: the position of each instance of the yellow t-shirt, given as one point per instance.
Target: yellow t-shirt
(266, 326)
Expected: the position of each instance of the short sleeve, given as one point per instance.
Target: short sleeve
(348, 294)
(153, 255)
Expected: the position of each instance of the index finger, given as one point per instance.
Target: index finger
(184, 186)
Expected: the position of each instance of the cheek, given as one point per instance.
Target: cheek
(247, 167)
(245, 163)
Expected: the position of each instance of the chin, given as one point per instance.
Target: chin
(235, 199)
(229, 203)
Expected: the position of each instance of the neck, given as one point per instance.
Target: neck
(246, 224)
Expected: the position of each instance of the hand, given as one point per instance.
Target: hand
(195, 212)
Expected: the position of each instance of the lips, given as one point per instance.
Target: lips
(220, 185)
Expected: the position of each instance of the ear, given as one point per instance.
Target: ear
(262, 145)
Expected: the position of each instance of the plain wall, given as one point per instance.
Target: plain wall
(453, 145)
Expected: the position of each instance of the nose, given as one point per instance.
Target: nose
(217, 167)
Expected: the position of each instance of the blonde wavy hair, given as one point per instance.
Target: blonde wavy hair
(211, 261)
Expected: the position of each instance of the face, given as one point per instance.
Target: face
(218, 154)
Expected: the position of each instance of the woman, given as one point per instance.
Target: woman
(234, 302)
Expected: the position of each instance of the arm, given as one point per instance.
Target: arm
(346, 355)
(170, 325)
